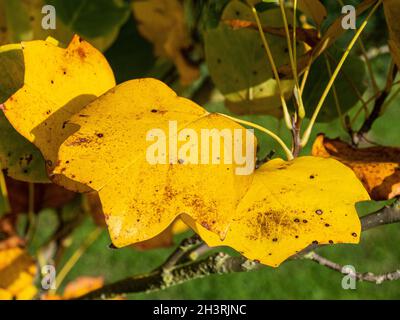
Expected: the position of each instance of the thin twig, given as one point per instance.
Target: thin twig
(184, 247)
(219, 263)
(378, 106)
(307, 133)
(368, 277)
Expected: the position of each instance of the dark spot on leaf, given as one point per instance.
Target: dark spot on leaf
(81, 53)
(331, 241)
(100, 135)
(315, 242)
(354, 235)
(154, 110)
(327, 225)
(319, 212)
(296, 220)
(275, 239)
(305, 221)
(64, 124)
(312, 177)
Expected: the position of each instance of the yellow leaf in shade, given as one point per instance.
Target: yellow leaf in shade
(377, 167)
(392, 13)
(17, 274)
(162, 22)
(313, 9)
(109, 153)
(58, 83)
(291, 205)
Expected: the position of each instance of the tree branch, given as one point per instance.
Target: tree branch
(369, 277)
(221, 263)
(379, 103)
(184, 247)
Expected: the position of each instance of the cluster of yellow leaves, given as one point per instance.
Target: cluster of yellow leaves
(378, 168)
(162, 22)
(99, 143)
(17, 274)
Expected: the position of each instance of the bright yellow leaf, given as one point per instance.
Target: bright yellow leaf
(291, 205)
(109, 154)
(17, 274)
(57, 84)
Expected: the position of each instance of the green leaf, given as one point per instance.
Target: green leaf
(92, 18)
(131, 56)
(239, 66)
(17, 22)
(350, 80)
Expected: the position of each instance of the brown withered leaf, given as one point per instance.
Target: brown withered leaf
(309, 36)
(377, 167)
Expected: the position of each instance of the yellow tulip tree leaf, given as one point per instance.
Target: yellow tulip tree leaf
(291, 205)
(162, 22)
(17, 275)
(58, 83)
(109, 153)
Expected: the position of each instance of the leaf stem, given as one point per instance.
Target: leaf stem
(335, 95)
(288, 153)
(31, 212)
(4, 192)
(307, 133)
(299, 100)
(75, 258)
(267, 48)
